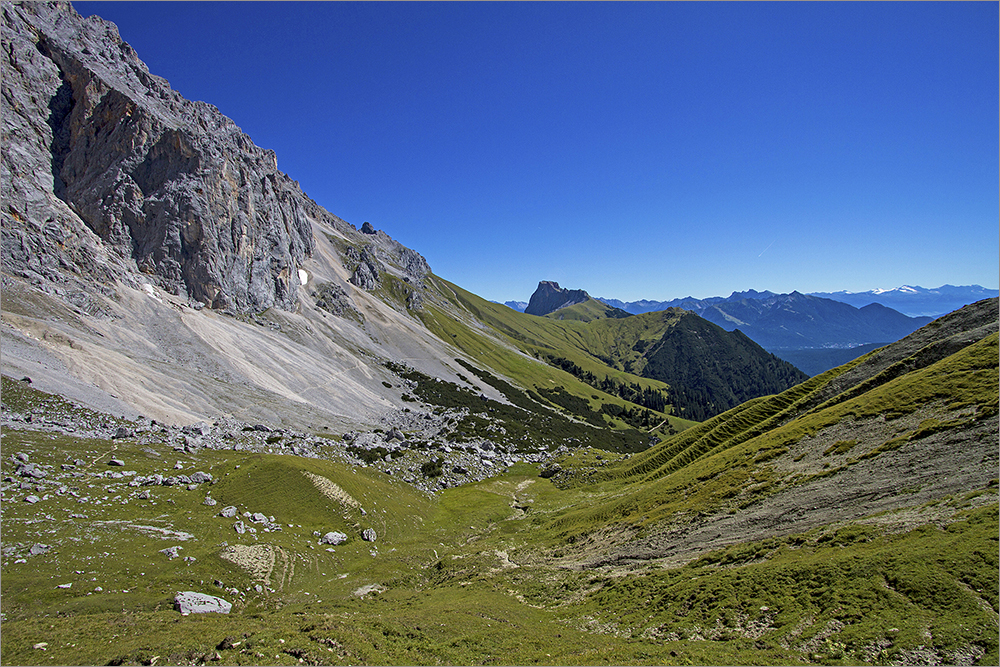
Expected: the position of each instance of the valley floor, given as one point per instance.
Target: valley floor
(94, 551)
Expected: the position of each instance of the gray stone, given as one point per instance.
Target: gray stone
(200, 477)
(334, 538)
(189, 602)
(199, 428)
(116, 462)
(31, 470)
(368, 535)
(210, 501)
(228, 512)
(122, 432)
(38, 549)
(240, 527)
(171, 552)
(32, 499)
(550, 471)
(257, 517)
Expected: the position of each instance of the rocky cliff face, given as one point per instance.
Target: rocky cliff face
(549, 297)
(108, 174)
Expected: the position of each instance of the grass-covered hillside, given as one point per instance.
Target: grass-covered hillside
(849, 520)
(700, 369)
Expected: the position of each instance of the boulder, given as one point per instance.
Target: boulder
(31, 470)
(189, 602)
(368, 535)
(333, 538)
(228, 512)
(200, 477)
(200, 428)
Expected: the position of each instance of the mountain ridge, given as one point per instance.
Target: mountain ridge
(912, 301)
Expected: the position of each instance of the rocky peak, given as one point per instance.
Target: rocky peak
(110, 175)
(549, 297)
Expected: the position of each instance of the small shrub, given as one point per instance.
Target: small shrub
(432, 468)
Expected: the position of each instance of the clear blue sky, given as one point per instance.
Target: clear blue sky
(646, 150)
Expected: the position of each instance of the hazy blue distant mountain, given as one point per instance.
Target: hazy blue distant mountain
(687, 303)
(813, 332)
(796, 321)
(519, 306)
(916, 301)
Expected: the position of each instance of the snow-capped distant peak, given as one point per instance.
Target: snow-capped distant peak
(905, 289)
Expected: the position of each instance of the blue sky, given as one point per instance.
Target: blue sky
(635, 150)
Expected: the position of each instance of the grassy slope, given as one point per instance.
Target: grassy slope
(632, 349)
(589, 310)
(515, 338)
(728, 448)
(469, 574)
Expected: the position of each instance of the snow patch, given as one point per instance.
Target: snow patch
(303, 276)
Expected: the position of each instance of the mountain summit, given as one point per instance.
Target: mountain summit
(549, 297)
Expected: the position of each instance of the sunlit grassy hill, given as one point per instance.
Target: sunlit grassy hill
(849, 520)
(701, 369)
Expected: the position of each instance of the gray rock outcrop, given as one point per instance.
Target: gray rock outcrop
(549, 297)
(109, 173)
(189, 602)
(110, 176)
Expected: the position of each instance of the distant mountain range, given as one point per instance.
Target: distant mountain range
(916, 301)
(813, 332)
(908, 300)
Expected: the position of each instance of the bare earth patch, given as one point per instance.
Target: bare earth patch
(257, 559)
(331, 490)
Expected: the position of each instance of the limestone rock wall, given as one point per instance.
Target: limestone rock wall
(108, 173)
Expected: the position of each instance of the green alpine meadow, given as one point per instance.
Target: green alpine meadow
(237, 429)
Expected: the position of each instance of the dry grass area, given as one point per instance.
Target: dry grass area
(256, 559)
(332, 491)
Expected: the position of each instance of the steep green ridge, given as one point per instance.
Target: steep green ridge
(589, 310)
(954, 392)
(517, 346)
(704, 369)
